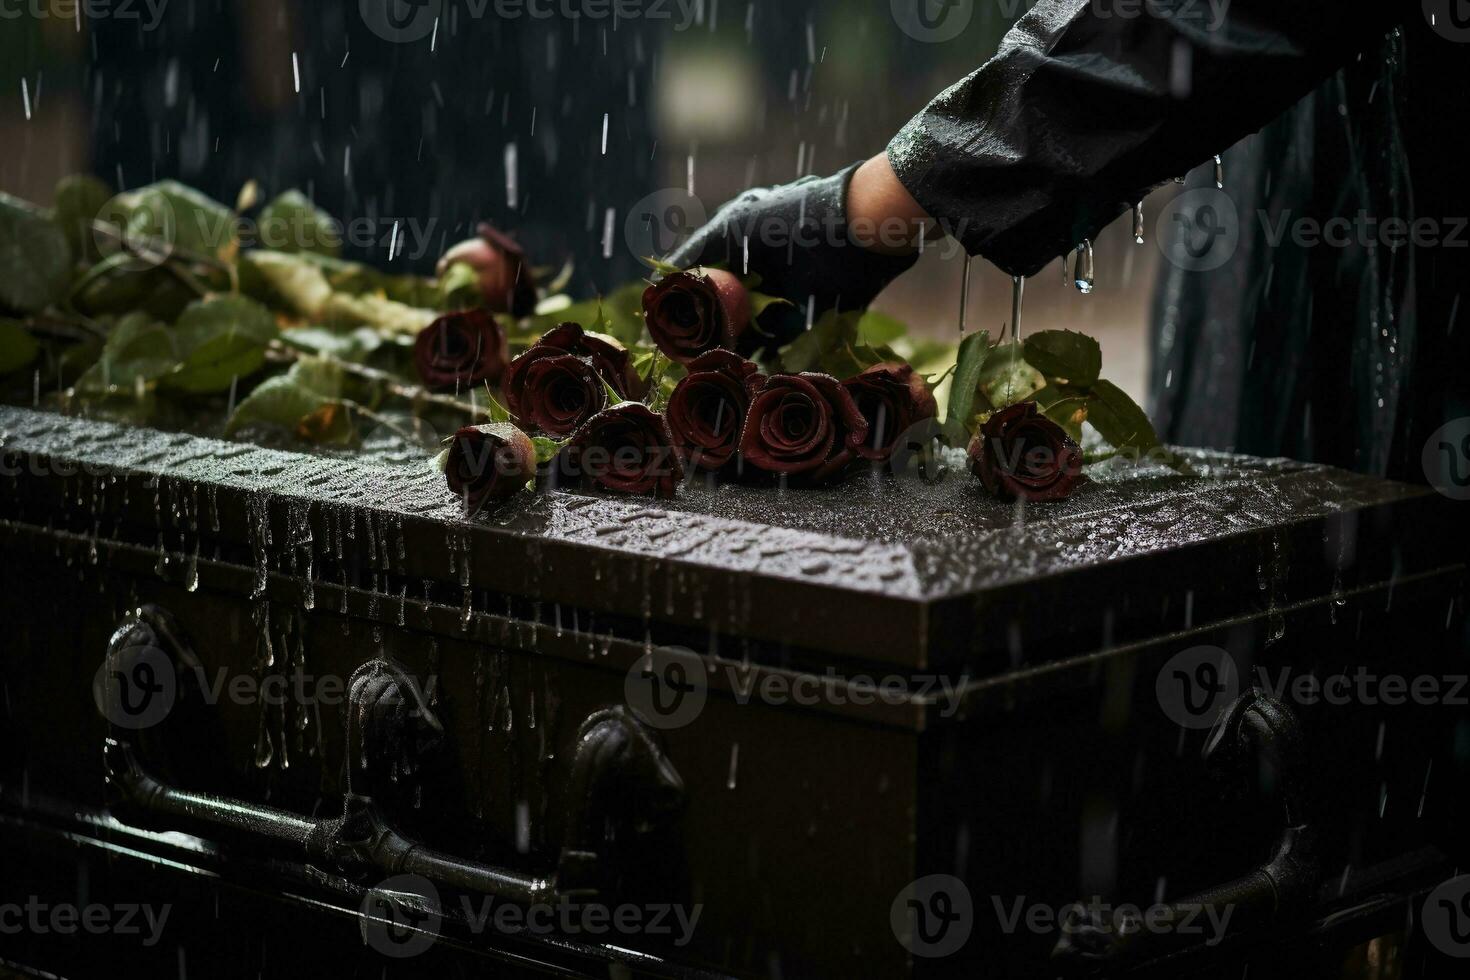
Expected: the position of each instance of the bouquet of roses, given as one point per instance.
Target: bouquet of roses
(149, 306)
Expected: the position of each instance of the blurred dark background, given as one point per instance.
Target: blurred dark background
(432, 115)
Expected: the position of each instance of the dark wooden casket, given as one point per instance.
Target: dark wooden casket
(889, 729)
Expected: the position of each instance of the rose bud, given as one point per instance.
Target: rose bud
(626, 448)
(690, 313)
(1019, 452)
(803, 424)
(507, 284)
(893, 398)
(707, 409)
(558, 394)
(488, 463)
(609, 360)
(461, 350)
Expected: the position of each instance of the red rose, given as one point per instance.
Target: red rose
(506, 281)
(892, 397)
(707, 409)
(488, 463)
(803, 424)
(461, 350)
(626, 448)
(560, 394)
(609, 360)
(1019, 452)
(690, 313)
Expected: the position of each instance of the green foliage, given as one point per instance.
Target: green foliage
(79, 201)
(35, 259)
(307, 400)
(219, 340)
(1007, 379)
(17, 347)
(840, 344)
(974, 352)
(168, 217)
(351, 344)
(1064, 357)
(291, 223)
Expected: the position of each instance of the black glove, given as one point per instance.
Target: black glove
(800, 245)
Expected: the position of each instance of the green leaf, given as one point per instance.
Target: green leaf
(660, 266)
(79, 200)
(288, 400)
(879, 329)
(17, 347)
(459, 287)
(1067, 407)
(1007, 378)
(292, 224)
(171, 214)
(1119, 420)
(286, 280)
(35, 259)
(388, 316)
(1064, 356)
(547, 449)
(353, 345)
(760, 302)
(497, 412)
(219, 340)
(975, 351)
(137, 350)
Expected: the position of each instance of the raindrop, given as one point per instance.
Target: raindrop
(965, 293)
(1138, 223)
(1083, 276)
(1219, 173)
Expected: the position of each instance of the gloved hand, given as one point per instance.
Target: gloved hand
(800, 243)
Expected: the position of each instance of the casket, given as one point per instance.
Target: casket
(270, 713)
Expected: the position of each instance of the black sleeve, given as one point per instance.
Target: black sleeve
(1089, 104)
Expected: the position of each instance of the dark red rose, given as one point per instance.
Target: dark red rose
(558, 394)
(507, 284)
(609, 360)
(626, 448)
(1019, 452)
(802, 424)
(892, 397)
(706, 412)
(691, 313)
(461, 350)
(488, 463)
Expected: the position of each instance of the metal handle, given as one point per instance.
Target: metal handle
(1254, 723)
(388, 718)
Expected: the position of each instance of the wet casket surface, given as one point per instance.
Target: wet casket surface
(802, 713)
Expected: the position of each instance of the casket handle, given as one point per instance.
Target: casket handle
(1254, 723)
(388, 713)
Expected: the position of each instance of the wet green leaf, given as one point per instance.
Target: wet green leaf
(17, 347)
(35, 259)
(287, 400)
(79, 200)
(975, 352)
(1007, 378)
(351, 344)
(218, 340)
(1119, 420)
(1064, 356)
(292, 224)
